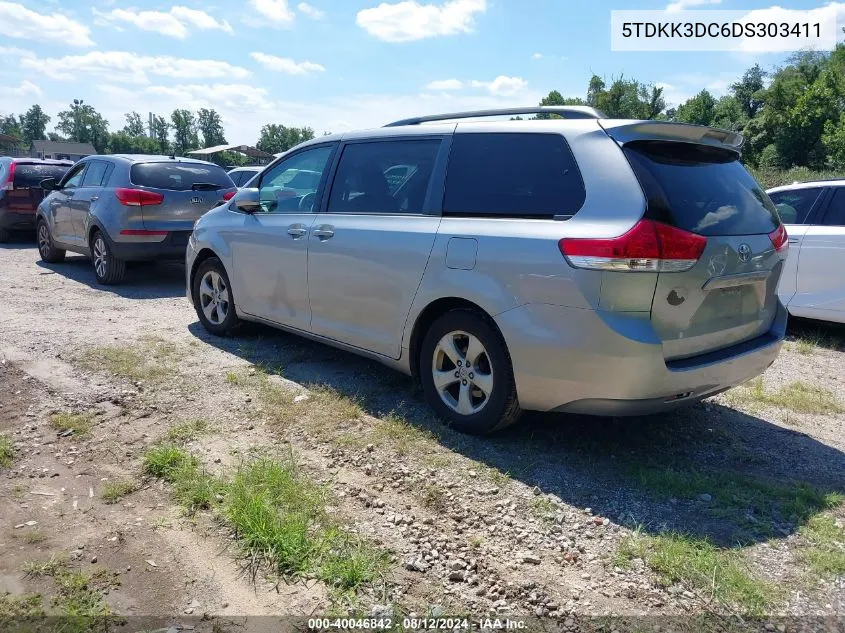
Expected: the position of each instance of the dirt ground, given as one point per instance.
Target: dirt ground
(558, 519)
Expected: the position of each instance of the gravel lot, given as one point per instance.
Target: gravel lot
(557, 519)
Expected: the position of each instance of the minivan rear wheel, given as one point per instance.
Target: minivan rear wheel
(46, 247)
(108, 269)
(213, 298)
(466, 373)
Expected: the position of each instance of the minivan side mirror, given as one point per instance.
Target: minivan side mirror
(247, 200)
(48, 184)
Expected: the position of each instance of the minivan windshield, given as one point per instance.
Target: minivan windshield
(701, 189)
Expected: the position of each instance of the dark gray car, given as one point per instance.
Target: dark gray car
(127, 208)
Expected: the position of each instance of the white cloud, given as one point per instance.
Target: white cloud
(26, 89)
(409, 20)
(312, 12)
(287, 65)
(681, 5)
(831, 12)
(502, 85)
(20, 22)
(12, 51)
(131, 67)
(679, 88)
(178, 22)
(276, 11)
(537, 56)
(445, 84)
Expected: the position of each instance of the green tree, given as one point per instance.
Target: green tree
(279, 138)
(9, 124)
(82, 123)
(700, 109)
(33, 124)
(749, 90)
(211, 126)
(161, 134)
(729, 114)
(184, 131)
(123, 143)
(626, 98)
(134, 125)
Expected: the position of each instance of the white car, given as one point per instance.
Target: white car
(813, 281)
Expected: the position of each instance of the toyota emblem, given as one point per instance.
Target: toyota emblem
(197, 200)
(744, 252)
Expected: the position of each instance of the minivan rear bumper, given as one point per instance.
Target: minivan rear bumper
(604, 363)
(17, 220)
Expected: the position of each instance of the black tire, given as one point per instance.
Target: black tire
(107, 268)
(501, 407)
(46, 247)
(213, 269)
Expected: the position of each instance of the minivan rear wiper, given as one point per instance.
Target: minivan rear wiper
(205, 186)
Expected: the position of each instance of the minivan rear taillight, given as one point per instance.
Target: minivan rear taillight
(649, 246)
(138, 197)
(780, 239)
(10, 179)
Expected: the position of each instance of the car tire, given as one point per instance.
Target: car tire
(108, 269)
(46, 247)
(213, 298)
(466, 373)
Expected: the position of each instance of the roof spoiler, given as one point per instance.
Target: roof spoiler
(566, 112)
(628, 131)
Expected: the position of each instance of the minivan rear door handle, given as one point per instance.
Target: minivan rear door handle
(297, 230)
(323, 232)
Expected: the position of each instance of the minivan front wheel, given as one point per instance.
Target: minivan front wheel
(107, 268)
(46, 248)
(466, 374)
(213, 299)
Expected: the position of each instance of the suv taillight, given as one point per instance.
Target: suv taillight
(229, 195)
(780, 239)
(649, 246)
(138, 197)
(10, 179)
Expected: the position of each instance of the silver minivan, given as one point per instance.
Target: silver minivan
(564, 263)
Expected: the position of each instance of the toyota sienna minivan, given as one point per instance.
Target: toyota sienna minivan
(573, 264)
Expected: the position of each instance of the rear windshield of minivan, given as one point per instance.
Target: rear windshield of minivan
(28, 175)
(178, 176)
(701, 189)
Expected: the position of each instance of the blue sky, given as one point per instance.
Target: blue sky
(334, 64)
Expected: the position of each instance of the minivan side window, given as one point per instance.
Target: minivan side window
(96, 173)
(383, 177)
(512, 175)
(794, 205)
(835, 215)
(291, 185)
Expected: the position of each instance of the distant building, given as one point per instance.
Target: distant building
(10, 145)
(61, 150)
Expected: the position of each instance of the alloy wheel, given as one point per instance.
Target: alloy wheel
(462, 373)
(214, 297)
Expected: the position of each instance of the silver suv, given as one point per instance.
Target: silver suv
(572, 264)
(127, 208)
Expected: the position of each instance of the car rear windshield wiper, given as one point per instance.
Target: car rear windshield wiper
(205, 186)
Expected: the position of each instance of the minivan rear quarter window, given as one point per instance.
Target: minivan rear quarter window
(512, 175)
(178, 176)
(701, 189)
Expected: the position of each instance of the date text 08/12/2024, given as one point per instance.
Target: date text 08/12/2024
(417, 624)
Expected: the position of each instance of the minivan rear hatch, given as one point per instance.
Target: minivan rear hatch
(25, 193)
(179, 192)
(693, 181)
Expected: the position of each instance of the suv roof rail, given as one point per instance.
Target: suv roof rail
(567, 112)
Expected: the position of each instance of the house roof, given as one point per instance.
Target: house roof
(56, 147)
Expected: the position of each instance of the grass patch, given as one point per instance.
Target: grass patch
(543, 508)
(164, 461)
(402, 436)
(824, 551)
(7, 452)
(154, 360)
(15, 609)
(194, 487)
(114, 491)
(44, 569)
(805, 347)
(494, 475)
(80, 423)
(797, 396)
(699, 566)
(33, 537)
(433, 497)
(187, 431)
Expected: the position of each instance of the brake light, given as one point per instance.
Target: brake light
(138, 197)
(649, 246)
(229, 195)
(780, 239)
(10, 179)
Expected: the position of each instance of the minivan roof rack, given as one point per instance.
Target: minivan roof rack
(567, 112)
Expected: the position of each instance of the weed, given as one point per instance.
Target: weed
(194, 487)
(165, 460)
(402, 436)
(797, 396)
(805, 347)
(543, 508)
(7, 452)
(14, 609)
(350, 563)
(433, 497)
(79, 423)
(42, 569)
(33, 537)
(824, 551)
(152, 361)
(114, 491)
(187, 431)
